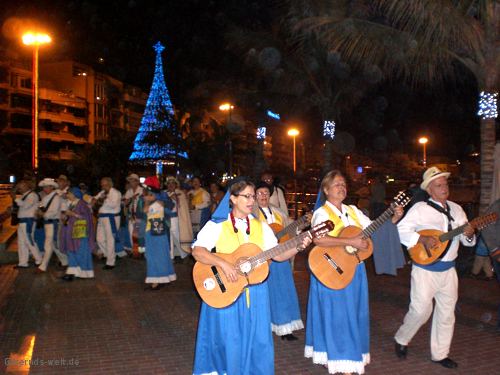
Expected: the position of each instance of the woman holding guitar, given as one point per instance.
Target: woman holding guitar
(236, 339)
(285, 311)
(337, 328)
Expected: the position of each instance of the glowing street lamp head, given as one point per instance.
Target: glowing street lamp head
(226, 106)
(293, 132)
(36, 38)
(423, 140)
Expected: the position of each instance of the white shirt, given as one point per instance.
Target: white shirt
(112, 203)
(321, 215)
(422, 216)
(209, 235)
(129, 194)
(55, 206)
(28, 206)
(277, 199)
(64, 199)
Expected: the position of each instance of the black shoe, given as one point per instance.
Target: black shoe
(400, 350)
(289, 337)
(447, 362)
(106, 267)
(18, 267)
(156, 287)
(68, 277)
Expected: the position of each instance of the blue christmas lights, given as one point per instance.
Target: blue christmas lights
(261, 133)
(156, 117)
(329, 129)
(273, 115)
(488, 105)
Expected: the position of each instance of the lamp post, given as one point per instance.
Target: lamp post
(294, 133)
(423, 141)
(35, 40)
(228, 107)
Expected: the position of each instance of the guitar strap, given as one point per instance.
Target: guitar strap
(447, 213)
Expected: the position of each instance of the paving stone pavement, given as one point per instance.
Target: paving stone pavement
(111, 325)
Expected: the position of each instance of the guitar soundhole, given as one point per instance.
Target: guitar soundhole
(332, 263)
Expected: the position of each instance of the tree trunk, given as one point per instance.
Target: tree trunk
(490, 80)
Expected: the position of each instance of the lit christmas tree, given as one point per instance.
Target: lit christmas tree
(157, 123)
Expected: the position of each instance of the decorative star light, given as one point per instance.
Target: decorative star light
(488, 105)
(329, 129)
(261, 133)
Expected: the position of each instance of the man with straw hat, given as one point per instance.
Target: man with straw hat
(439, 280)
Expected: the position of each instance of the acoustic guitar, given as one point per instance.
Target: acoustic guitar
(420, 255)
(250, 262)
(335, 266)
(291, 230)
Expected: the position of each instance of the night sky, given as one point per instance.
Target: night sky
(203, 68)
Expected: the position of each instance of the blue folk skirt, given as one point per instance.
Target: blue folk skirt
(158, 263)
(338, 326)
(236, 339)
(285, 310)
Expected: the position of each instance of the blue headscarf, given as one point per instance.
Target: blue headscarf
(320, 200)
(76, 192)
(222, 211)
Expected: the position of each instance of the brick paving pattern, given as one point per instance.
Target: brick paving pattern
(111, 325)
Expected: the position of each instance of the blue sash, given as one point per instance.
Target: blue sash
(112, 222)
(29, 221)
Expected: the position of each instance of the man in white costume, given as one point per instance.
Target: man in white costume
(50, 208)
(28, 204)
(108, 202)
(439, 280)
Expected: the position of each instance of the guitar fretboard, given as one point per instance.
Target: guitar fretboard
(291, 229)
(377, 223)
(281, 248)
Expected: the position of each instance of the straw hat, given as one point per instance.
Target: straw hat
(48, 182)
(132, 177)
(430, 175)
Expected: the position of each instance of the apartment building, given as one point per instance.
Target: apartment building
(77, 106)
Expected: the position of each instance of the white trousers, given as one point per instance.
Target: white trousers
(426, 286)
(105, 239)
(130, 227)
(50, 246)
(26, 244)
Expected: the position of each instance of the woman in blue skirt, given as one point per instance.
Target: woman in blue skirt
(285, 310)
(160, 270)
(78, 237)
(338, 325)
(236, 339)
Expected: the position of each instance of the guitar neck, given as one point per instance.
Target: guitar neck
(452, 233)
(377, 223)
(279, 249)
(291, 228)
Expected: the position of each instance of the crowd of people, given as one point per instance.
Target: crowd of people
(168, 220)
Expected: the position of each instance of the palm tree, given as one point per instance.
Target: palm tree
(423, 42)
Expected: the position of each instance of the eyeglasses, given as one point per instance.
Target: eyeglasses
(247, 196)
(262, 194)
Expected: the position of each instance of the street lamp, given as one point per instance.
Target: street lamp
(294, 133)
(35, 40)
(423, 141)
(228, 107)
